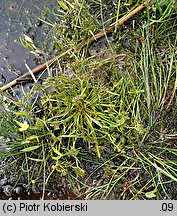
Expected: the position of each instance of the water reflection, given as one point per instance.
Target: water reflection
(18, 17)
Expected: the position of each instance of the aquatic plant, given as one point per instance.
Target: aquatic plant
(111, 136)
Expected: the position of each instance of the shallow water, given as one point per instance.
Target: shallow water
(19, 17)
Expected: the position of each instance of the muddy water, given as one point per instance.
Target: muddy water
(19, 17)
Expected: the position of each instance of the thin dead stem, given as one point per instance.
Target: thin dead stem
(79, 46)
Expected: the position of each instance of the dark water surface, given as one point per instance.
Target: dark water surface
(18, 17)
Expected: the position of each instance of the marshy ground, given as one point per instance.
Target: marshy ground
(100, 122)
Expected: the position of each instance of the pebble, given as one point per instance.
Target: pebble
(7, 189)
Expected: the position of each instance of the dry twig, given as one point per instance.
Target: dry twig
(80, 45)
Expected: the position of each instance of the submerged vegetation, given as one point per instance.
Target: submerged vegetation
(105, 118)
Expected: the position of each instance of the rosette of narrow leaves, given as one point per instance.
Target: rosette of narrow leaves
(81, 109)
